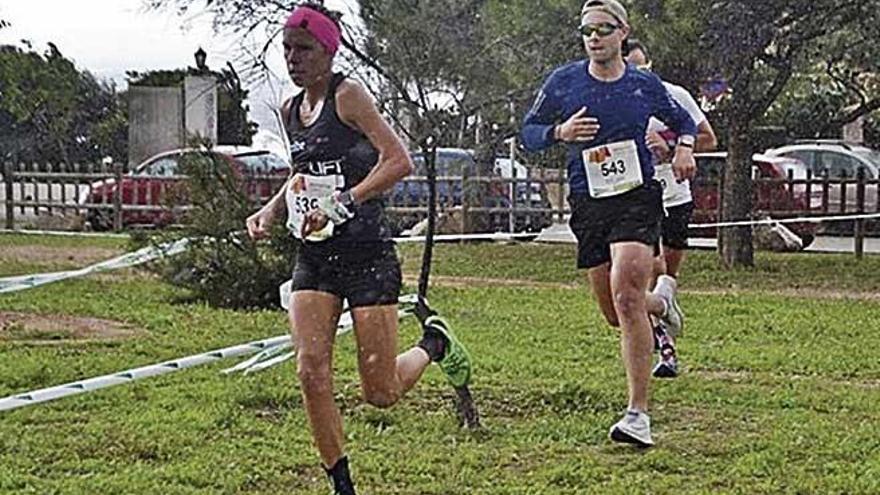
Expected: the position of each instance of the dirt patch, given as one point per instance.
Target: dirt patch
(48, 254)
(464, 282)
(804, 293)
(59, 329)
(724, 375)
(807, 293)
(739, 376)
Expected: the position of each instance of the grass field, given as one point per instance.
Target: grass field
(780, 391)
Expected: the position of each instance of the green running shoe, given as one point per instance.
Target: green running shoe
(456, 362)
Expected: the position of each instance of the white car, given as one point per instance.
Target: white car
(835, 160)
(504, 169)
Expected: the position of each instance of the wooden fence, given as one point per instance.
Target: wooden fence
(89, 194)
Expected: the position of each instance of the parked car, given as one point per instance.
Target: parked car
(772, 197)
(508, 169)
(148, 189)
(494, 192)
(835, 160)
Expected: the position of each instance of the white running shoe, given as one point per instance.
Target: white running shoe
(634, 428)
(674, 318)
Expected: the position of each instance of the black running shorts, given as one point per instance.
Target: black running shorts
(369, 277)
(675, 226)
(633, 216)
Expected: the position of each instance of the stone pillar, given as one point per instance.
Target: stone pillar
(155, 122)
(200, 107)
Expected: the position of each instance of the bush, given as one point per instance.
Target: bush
(223, 266)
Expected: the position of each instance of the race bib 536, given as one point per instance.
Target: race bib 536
(302, 195)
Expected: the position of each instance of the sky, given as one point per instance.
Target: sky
(109, 37)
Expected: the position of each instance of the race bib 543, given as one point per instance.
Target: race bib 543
(612, 169)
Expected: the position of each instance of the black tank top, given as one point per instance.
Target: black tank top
(330, 147)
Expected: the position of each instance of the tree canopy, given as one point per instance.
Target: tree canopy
(51, 111)
(447, 68)
(763, 49)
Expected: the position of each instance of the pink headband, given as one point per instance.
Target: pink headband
(318, 25)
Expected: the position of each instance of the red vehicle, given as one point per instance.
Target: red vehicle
(772, 196)
(149, 189)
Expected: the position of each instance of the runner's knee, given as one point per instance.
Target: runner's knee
(611, 317)
(659, 265)
(630, 303)
(314, 371)
(382, 397)
(606, 304)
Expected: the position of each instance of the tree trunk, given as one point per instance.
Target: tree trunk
(735, 243)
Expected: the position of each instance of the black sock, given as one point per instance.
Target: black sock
(434, 343)
(341, 478)
(423, 311)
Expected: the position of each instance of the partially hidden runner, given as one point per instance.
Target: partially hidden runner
(677, 199)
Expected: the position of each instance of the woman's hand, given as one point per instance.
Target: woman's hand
(314, 221)
(258, 224)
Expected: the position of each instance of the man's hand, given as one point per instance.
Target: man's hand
(258, 224)
(578, 128)
(683, 164)
(658, 146)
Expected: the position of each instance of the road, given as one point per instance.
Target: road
(560, 232)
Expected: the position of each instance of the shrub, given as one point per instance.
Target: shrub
(223, 266)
